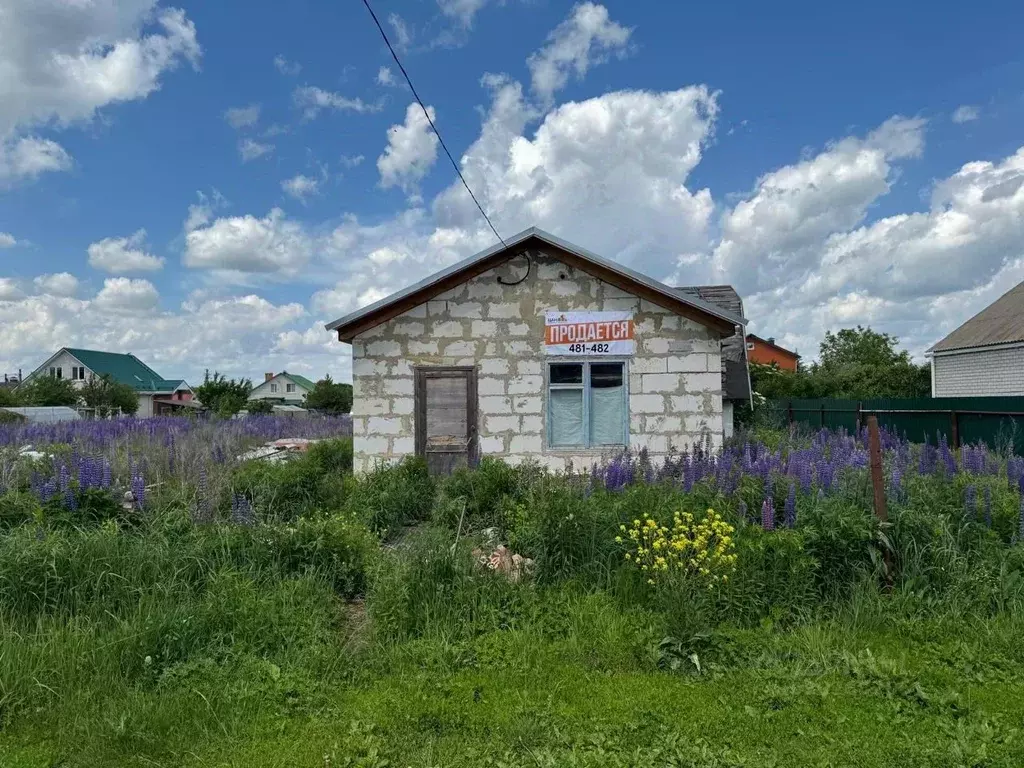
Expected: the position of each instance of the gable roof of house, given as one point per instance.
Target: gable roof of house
(735, 374)
(125, 369)
(1001, 322)
(689, 305)
(773, 345)
(302, 381)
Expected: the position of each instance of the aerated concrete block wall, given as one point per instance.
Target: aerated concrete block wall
(675, 379)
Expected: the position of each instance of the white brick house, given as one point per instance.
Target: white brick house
(985, 355)
(539, 350)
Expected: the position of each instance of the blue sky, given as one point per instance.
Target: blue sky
(206, 184)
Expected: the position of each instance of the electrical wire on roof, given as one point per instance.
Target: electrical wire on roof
(431, 122)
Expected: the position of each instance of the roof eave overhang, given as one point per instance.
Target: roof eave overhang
(935, 351)
(352, 325)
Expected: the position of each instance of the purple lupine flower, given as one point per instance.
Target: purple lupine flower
(138, 486)
(789, 510)
(768, 514)
(928, 459)
(241, 511)
(1013, 472)
(971, 502)
(202, 502)
(1020, 522)
(896, 484)
(988, 506)
(948, 460)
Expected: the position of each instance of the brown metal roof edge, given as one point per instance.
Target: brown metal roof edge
(969, 347)
(351, 325)
(773, 345)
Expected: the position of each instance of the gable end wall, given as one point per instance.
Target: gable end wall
(675, 377)
(985, 373)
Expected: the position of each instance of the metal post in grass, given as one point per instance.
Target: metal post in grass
(878, 487)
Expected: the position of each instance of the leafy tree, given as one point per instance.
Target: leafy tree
(9, 396)
(48, 391)
(109, 396)
(859, 347)
(330, 397)
(259, 407)
(855, 363)
(223, 395)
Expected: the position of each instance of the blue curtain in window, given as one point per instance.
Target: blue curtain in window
(566, 416)
(606, 416)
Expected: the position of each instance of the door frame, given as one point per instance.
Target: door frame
(423, 372)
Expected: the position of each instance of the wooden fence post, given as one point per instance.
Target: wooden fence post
(860, 416)
(823, 415)
(878, 486)
(954, 424)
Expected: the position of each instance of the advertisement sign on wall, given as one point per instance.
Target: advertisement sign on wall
(589, 333)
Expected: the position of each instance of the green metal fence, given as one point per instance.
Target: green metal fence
(996, 421)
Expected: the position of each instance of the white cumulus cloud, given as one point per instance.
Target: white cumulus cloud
(286, 67)
(312, 100)
(10, 290)
(250, 149)
(411, 150)
(965, 114)
(385, 77)
(7, 240)
(59, 284)
(301, 187)
(124, 254)
(64, 62)
(247, 244)
(461, 10)
(779, 229)
(586, 38)
(122, 294)
(243, 117)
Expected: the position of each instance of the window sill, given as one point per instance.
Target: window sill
(581, 451)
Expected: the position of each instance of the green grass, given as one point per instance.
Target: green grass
(932, 694)
(518, 704)
(326, 633)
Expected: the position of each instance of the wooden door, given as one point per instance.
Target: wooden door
(446, 417)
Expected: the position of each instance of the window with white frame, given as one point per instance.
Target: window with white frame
(78, 373)
(273, 387)
(587, 404)
(289, 387)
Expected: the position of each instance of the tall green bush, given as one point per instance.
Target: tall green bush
(392, 495)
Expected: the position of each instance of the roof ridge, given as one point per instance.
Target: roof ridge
(717, 316)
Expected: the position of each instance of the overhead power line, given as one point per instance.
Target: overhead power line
(429, 120)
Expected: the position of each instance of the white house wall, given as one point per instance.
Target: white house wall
(145, 407)
(262, 392)
(65, 361)
(675, 377)
(981, 373)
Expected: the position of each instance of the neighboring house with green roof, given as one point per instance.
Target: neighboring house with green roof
(157, 395)
(285, 388)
